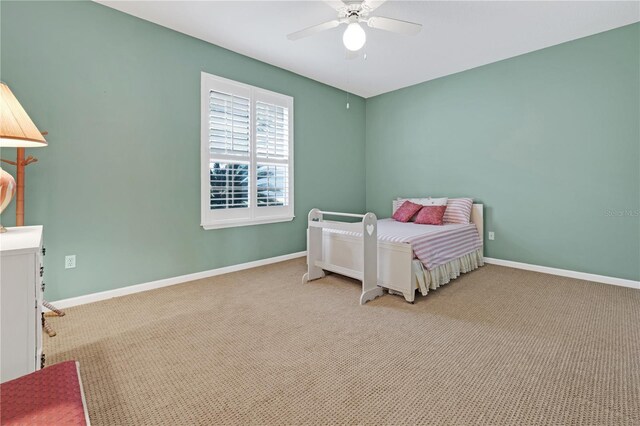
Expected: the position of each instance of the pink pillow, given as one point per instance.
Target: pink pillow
(406, 211)
(431, 215)
(458, 210)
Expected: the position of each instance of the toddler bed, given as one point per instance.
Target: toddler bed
(401, 257)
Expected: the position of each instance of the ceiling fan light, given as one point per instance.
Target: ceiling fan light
(354, 37)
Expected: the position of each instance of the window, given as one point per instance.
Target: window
(247, 154)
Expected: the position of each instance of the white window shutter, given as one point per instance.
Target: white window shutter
(272, 131)
(229, 124)
(247, 154)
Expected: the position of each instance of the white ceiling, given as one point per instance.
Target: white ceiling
(456, 36)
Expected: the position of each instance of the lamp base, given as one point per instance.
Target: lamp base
(7, 191)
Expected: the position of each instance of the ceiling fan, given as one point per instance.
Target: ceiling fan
(353, 14)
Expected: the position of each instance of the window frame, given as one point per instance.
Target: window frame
(252, 215)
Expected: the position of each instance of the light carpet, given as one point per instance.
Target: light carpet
(495, 346)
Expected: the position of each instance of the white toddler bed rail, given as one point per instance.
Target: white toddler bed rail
(316, 263)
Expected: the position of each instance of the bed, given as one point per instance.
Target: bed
(386, 254)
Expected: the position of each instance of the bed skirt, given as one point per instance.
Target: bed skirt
(440, 275)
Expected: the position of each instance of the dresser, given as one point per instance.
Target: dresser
(21, 288)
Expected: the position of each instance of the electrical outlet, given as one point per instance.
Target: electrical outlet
(70, 261)
(492, 236)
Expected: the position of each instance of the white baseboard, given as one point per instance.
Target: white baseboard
(123, 291)
(565, 273)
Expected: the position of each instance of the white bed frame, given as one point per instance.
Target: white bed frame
(376, 263)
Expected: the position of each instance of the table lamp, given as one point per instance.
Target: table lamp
(16, 131)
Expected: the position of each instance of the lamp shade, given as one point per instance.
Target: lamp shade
(16, 128)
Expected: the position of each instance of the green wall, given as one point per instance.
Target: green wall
(548, 141)
(119, 183)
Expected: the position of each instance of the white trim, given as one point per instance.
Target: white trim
(242, 222)
(123, 291)
(565, 273)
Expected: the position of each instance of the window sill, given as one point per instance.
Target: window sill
(237, 223)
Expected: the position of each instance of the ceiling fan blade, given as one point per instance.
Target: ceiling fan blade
(394, 25)
(313, 30)
(337, 5)
(371, 5)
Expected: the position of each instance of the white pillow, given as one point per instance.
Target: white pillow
(458, 210)
(434, 201)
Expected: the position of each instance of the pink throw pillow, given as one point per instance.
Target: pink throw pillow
(458, 210)
(406, 211)
(431, 215)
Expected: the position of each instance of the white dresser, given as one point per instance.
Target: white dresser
(21, 288)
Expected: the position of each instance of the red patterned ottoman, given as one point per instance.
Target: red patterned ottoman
(51, 396)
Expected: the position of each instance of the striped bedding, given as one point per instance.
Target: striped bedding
(434, 245)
